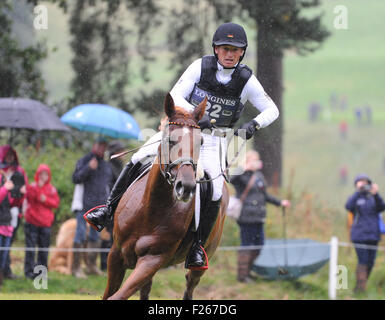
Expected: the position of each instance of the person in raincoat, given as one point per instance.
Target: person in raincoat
(42, 199)
(6, 230)
(365, 205)
(13, 171)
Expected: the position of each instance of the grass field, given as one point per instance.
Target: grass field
(218, 283)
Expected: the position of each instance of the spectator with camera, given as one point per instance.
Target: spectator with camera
(12, 171)
(365, 205)
(95, 174)
(6, 230)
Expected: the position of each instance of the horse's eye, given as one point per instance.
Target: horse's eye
(202, 140)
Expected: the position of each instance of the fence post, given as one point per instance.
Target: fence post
(333, 264)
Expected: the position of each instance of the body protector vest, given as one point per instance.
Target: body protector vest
(224, 102)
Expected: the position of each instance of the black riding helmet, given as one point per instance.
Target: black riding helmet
(231, 34)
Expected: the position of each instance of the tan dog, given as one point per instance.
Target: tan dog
(61, 261)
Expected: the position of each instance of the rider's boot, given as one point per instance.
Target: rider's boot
(197, 258)
(100, 216)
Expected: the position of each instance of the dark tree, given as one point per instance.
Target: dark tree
(280, 25)
(102, 33)
(101, 43)
(20, 75)
(187, 36)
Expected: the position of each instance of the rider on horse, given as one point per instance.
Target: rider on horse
(228, 84)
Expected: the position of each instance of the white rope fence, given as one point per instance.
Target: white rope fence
(333, 253)
(223, 248)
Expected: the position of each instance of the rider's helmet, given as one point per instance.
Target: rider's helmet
(232, 34)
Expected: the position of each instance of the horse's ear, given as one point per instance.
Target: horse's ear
(169, 106)
(199, 111)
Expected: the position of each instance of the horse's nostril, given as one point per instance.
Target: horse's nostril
(179, 188)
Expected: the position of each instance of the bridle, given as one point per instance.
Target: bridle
(166, 172)
(184, 161)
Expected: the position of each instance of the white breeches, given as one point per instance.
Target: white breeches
(209, 157)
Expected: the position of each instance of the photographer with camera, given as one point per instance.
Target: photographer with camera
(12, 171)
(6, 230)
(365, 204)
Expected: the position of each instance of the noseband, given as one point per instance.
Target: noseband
(166, 172)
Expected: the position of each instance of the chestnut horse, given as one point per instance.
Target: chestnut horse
(153, 218)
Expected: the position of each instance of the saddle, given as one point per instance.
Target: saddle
(207, 219)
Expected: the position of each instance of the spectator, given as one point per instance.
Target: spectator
(358, 113)
(314, 111)
(368, 113)
(42, 198)
(343, 129)
(333, 101)
(344, 103)
(6, 230)
(253, 214)
(9, 164)
(365, 206)
(343, 174)
(95, 174)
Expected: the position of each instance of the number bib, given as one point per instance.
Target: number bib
(225, 110)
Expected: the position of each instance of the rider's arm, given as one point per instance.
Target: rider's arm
(185, 85)
(254, 92)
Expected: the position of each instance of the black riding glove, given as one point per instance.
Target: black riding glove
(205, 122)
(250, 128)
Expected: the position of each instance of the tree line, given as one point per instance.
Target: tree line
(101, 38)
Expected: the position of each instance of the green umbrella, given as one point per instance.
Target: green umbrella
(290, 258)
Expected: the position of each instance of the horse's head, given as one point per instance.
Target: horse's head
(180, 148)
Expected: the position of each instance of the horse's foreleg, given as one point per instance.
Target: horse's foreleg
(116, 272)
(145, 269)
(145, 291)
(192, 279)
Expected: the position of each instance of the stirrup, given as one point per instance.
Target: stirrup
(204, 267)
(97, 227)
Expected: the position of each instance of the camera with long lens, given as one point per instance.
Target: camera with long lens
(18, 181)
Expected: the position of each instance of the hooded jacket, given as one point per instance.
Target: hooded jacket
(7, 168)
(5, 199)
(366, 209)
(40, 211)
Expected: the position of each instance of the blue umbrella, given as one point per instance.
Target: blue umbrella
(102, 119)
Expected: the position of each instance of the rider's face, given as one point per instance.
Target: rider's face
(228, 56)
